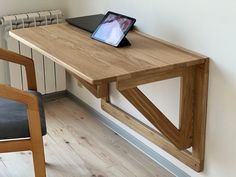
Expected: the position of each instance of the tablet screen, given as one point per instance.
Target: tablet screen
(113, 28)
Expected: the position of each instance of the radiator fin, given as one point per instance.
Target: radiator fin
(50, 76)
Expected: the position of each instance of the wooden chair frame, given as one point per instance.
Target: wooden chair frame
(35, 142)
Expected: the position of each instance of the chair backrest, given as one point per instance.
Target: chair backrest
(22, 60)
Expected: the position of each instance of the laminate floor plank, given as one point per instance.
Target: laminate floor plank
(78, 145)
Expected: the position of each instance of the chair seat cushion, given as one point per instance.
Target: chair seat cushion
(14, 119)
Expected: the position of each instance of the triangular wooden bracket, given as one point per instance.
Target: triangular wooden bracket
(182, 137)
(193, 99)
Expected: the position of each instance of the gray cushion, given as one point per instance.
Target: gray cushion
(14, 119)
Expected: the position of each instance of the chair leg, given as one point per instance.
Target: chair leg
(39, 159)
(36, 139)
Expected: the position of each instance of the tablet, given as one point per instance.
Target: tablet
(113, 28)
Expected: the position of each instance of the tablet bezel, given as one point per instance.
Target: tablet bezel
(124, 34)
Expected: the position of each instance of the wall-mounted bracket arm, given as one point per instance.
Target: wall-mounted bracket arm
(191, 131)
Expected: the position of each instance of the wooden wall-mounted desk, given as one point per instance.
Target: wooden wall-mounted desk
(148, 60)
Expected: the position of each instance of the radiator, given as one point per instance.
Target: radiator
(50, 76)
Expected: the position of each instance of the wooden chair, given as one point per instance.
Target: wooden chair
(22, 118)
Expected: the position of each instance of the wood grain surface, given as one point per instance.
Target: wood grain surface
(95, 62)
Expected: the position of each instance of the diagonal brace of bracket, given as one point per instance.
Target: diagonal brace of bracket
(182, 137)
(152, 113)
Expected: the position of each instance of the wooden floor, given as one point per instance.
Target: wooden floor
(78, 145)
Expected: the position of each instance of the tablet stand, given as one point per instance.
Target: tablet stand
(124, 43)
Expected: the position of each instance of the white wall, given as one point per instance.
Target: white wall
(73, 8)
(205, 26)
(14, 7)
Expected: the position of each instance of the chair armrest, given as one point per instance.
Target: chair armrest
(22, 60)
(11, 93)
